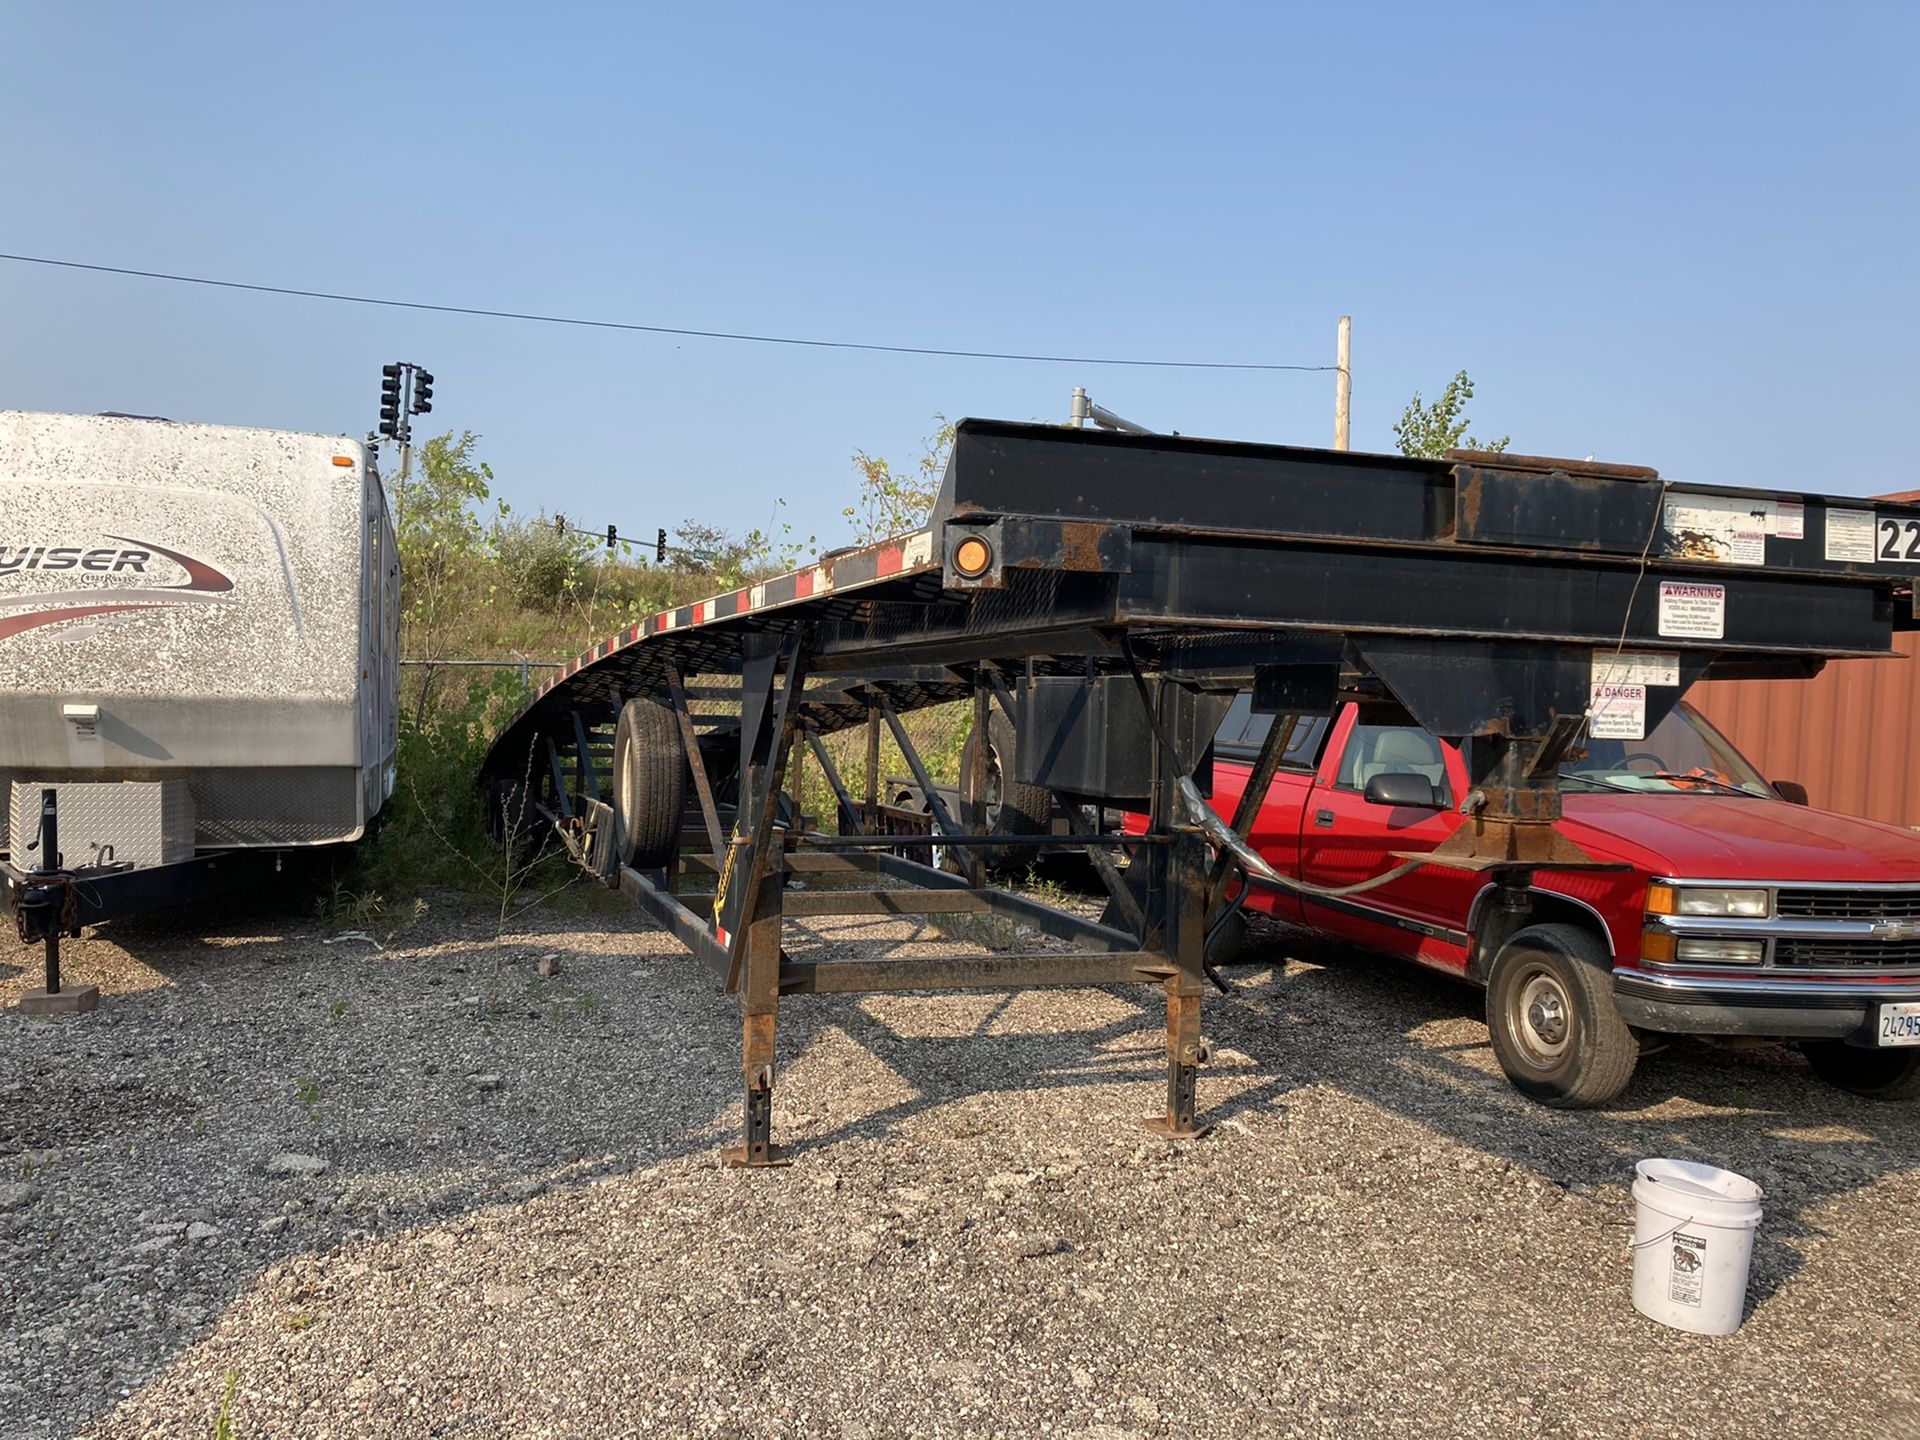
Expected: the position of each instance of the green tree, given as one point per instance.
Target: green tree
(894, 502)
(442, 544)
(1430, 431)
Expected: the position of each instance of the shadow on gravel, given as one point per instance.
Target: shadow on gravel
(144, 1182)
(1355, 1021)
(447, 1074)
(1413, 1042)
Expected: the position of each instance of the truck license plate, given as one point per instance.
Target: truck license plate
(1900, 1024)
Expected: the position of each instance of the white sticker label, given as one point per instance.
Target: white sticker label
(1789, 521)
(1686, 1279)
(1635, 667)
(1726, 532)
(918, 550)
(1618, 712)
(1850, 535)
(1692, 609)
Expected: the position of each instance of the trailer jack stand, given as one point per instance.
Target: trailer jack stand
(1178, 1123)
(1185, 1056)
(758, 1152)
(45, 913)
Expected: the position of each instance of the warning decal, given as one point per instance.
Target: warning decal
(1692, 609)
(1689, 1259)
(1618, 712)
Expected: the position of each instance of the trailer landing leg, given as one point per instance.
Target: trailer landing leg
(757, 1150)
(1186, 938)
(45, 911)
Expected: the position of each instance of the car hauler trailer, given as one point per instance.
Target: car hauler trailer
(1114, 592)
(199, 627)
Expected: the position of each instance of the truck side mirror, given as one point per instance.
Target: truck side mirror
(1791, 791)
(1402, 789)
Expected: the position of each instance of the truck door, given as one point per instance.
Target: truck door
(1275, 832)
(1346, 840)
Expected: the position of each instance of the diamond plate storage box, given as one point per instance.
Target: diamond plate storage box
(138, 822)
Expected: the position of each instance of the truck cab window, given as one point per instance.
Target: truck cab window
(1242, 733)
(1392, 750)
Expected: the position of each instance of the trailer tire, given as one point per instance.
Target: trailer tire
(649, 783)
(1870, 1074)
(1012, 808)
(1551, 1015)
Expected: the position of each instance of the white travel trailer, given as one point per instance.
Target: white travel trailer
(199, 630)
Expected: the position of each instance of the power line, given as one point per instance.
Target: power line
(652, 329)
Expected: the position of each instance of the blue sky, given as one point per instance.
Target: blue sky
(1678, 235)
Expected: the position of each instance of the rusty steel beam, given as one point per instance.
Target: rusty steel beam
(972, 972)
(702, 786)
(809, 904)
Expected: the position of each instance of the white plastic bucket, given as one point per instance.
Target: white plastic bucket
(1692, 1244)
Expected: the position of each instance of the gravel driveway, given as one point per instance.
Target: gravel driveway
(429, 1191)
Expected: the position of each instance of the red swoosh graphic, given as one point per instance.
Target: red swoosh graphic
(19, 624)
(200, 575)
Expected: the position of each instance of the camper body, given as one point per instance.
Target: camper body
(199, 628)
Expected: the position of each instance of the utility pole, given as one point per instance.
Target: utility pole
(1343, 387)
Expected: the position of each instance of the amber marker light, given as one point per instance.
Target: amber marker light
(972, 557)
(343, 461)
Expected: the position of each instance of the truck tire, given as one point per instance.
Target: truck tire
(649, 783)
(1871, 1074)
(1554, 1026)
(1232, 942)
(1012, 808)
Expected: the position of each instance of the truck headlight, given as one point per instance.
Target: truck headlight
(1699, 951)
(1719, 904)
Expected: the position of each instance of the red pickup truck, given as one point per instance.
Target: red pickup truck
(1737, 911)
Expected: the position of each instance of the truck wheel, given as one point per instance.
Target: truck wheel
(1012, 808)
(1874, 1074)
(649, 783)
(1554, 1026)
(1232, 943)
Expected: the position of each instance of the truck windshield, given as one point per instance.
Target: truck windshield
(1684, 755)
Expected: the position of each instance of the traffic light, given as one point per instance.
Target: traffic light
(390, 401)
(422, 392)
(613, 537)
(660, 547)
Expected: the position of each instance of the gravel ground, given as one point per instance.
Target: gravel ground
(429, 1190)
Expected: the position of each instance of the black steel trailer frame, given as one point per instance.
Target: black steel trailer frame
(1114, 591)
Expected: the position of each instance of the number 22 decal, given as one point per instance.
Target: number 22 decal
(1890, 539)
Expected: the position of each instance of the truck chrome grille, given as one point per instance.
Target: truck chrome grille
(1846, 954)
(1849, 904)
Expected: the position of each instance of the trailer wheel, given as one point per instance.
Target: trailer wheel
(1554, 1026)
(1871, 1074)
(649, 783)
(1012, 808)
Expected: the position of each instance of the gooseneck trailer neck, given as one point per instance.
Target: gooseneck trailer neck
(1113, 592)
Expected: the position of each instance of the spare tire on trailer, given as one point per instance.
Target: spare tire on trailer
(649, 782)
(1012, 808)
